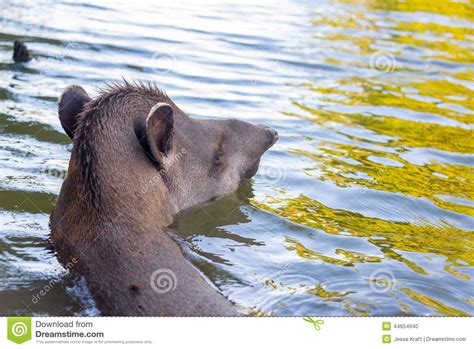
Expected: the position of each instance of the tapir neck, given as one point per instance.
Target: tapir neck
(122, 247)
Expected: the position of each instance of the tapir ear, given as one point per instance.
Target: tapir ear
(71, 103)
(156, 137)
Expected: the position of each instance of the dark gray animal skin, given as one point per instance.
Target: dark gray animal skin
(138, 160)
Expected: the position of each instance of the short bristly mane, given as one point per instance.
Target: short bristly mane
(91, 120)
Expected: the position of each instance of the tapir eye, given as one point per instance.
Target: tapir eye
(217, 159)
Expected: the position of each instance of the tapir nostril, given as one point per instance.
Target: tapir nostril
(272, 135)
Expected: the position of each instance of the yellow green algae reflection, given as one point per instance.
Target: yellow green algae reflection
(394, 138)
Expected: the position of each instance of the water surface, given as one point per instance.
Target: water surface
(365, 205)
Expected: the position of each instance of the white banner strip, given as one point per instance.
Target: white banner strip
(239, 333)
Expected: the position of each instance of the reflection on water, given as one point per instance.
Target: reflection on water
(398, 139)
(365, 205)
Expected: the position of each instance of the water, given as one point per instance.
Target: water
(365, 205)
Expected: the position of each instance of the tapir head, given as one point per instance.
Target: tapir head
(130, 127)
